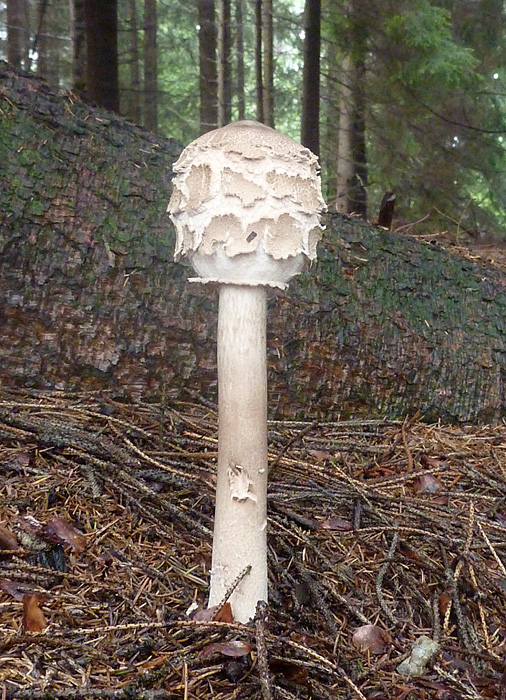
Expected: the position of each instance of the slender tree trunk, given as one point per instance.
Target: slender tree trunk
(259, 75)
(134, 102)
(78, 32)
(310, 121)
(268, 62)
(17, 33)
(239, 42)
(344, 153)
(352, 178)
(102, 83)
(330, 104)
(41, 44)
(150, 66)
(358, 194)
(224, 63)
(208, 81)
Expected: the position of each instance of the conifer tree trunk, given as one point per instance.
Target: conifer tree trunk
(259, 74)
(102, 82)
(310, 119)
(134, 104)
(41, 44)
(78, 33)
(150, 66)
(344, 168)
(239, 43)
(208, 80)
(268, 62)
(358, 193)
(352, 169)
(224, 63)
(329, 130)
(18, 33)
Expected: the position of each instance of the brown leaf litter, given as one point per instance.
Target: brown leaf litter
(390, 533)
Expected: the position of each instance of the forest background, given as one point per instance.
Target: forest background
(406, 95)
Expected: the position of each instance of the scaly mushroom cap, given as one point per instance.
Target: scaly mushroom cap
(246, 205)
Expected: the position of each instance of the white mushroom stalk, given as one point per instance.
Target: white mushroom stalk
(246, 205)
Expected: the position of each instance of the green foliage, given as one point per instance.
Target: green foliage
(435, 112)
(426, 50)
(434, 115)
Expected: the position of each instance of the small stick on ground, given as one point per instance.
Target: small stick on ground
(263, 663)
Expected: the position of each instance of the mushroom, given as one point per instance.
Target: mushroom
(246, 206)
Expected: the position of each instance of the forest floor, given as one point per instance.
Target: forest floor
(381, 534)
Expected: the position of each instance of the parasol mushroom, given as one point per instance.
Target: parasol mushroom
(246, 206)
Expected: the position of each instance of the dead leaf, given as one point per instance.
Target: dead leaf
(214, 614)
(444, 601)
(487, 687)
(8, 540)
(204, 560)
(371, 638)
(302, 638)
(33, 618)
(336, 523)
(14, 588)
(320, 455)
(292, 672)
(407, 552)
(225, 614)
(234, 648)
(206, 615)
(21, 460)
(60, 531)
(427, 483)
(429, 461)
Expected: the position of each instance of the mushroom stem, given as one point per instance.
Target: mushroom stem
(240, 529)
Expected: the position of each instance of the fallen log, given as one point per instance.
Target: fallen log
(91, 299)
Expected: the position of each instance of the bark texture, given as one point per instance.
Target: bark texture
(90, 297)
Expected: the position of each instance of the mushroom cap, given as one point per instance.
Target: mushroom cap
(246, 205)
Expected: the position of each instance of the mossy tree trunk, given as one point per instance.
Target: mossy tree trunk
(90, 297)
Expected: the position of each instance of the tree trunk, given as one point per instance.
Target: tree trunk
(330, 108)
(134, 110)
(102, 84)
(239, 43)
(344, 167)
(150, 67)
(18, 33)
(41, 44)
(268, 62)
(208, 69)
(352, 170)
(259, 74)
(358, 192)
(224, 63)
(310, 118)
(384, 325)
(78, 31)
